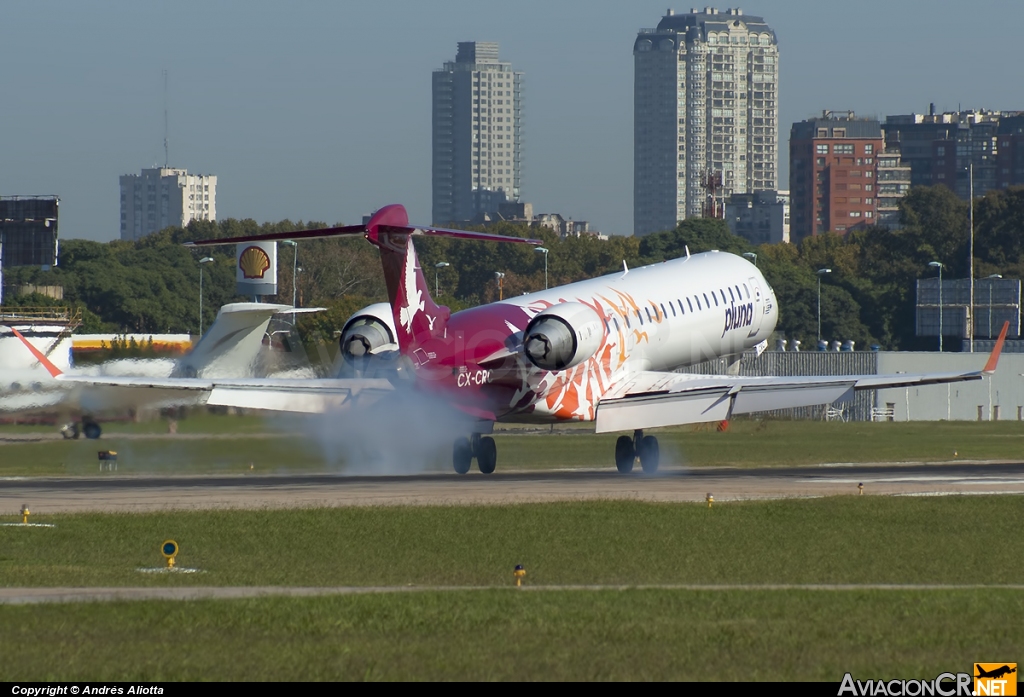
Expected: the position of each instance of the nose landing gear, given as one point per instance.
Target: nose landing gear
(639, 447)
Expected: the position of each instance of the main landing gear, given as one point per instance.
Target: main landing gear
(480, 447)
(87, 427)
(639, 447)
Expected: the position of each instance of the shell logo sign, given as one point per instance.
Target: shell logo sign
(256, 268)
(253, 262)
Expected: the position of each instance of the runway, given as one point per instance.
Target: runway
(119, 493)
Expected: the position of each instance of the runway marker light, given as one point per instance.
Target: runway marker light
(170, 550)
(710, 499)
(860, 488)
(25, 514)
(519, 573)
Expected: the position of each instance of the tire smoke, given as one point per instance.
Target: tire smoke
(405, 432)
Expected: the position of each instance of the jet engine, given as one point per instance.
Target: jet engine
(563, 336)
(367, 332)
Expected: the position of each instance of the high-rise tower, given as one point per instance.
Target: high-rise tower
(705, 101)
(165, 196)
(477, 133)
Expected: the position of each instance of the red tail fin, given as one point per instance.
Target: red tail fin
(415, 312)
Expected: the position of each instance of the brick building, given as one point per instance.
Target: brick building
(833, 176)
(1010, 158)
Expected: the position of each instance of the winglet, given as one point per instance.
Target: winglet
(50, 367)
(993, 358)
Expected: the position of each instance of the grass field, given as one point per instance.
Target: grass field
(830, 540)
(268, 448)
(501, 634)
(504, 635)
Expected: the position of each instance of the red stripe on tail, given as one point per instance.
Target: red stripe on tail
(50, 367)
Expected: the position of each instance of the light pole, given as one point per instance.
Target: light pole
(295, 260)
(991, 283)
(938, 265)
(751, 255)
(820, 273)
(204, 260)
(437, 269)
(501, 283)
(544, 251)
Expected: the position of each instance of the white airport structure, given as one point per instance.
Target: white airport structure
(164, 197)
(705, 102)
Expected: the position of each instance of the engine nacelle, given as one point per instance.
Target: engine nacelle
(367, 332)
(563, 336)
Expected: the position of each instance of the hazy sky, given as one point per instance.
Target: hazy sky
(321, 110)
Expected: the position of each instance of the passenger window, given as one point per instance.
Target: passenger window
(746, 290)
(628, 325)
(649, 314)
(640, 317)
(739, 295)
(690, 304)
(615, 319)
(731, 296)
(722, 293)
(673, 308)
(663, 313)
(697, 298)
(713, 296)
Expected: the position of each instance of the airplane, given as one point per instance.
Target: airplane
(231, 347)
(600, 350)
(995, 672)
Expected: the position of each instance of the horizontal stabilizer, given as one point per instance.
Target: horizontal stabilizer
(396, 224)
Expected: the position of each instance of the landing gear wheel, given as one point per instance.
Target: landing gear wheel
(486, 455)
(624, 454)
(462, 455)
(650, 454)
(91, 430)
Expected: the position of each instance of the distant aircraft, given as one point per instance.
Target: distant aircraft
(598, 350)
(229, 349)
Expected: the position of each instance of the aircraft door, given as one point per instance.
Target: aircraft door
(758, 302)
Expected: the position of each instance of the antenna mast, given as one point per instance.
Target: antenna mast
(166, 156)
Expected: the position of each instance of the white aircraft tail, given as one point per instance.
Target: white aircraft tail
(230, 347)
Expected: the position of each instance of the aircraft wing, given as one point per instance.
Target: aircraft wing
(651, 399)
(302, 396)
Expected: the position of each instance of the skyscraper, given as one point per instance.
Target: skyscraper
(705, 101)
(477, 133)
(163, 197)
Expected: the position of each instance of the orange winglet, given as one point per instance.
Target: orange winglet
(50, 367)
(993, 358)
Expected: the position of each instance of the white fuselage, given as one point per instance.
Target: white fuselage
(657, 318)
(692, 308)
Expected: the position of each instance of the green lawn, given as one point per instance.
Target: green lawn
(271, 446)
(830, 540)
(510, 636)
(498, 633)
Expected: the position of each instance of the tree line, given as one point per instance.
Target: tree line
(152, 285)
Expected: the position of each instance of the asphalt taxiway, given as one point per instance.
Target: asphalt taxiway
(126, 493)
